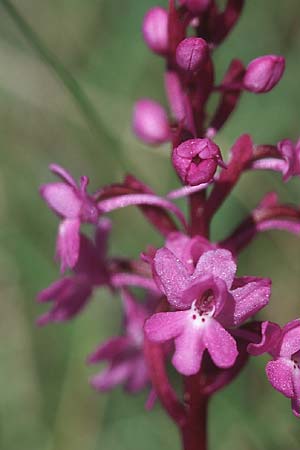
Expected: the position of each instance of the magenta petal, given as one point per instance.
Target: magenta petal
(135, 315)
(279, 373)
(63, 174)
(217, 263)
(291, 340)
(89, 262)
(111, 377)
(54, 290)
(177, 243)
(220, 344)
(69, 302)
(296, 397)
(109, 349)
(162, 327)
(202, 172)
(62, 198)
(250, 298)
(67, 244)
(139, 378)
(173, 276)
(271, 334)
(180, 245)
(189, 350)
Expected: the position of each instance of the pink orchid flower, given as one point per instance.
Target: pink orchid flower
(75, 206)
(70, 294)
(205, 304)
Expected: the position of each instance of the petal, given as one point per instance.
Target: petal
(134, 317)
(67, 244)
(202, 172)
(164, 326)
(189, 350)
(181, 245)
(270, 338)
(250, 298)
(110, 349)
(88, 262)
(204, 284)
(63, 174)
(291, 339)
(177, 242)
(70, 302)
(279, 373)
(172, 276)
(217, 263)
(296, 397)
(139, 377)
(54, 290)
(220, 344)
(111, 377)
(62, 198)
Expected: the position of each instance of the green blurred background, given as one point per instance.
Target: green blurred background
(45, 400)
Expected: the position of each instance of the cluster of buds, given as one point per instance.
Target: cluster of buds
(195, 311)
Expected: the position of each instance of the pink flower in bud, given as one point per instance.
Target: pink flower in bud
(196, 6)
(206, 302)
(196, 160)
(191, 53)
(284, 371)
(75, 206)
(150, 122)
(264, 73)
(155, 30)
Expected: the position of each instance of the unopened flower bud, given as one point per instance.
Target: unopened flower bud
(191, 53)
(264, 73)
(150, 122)
(155, 30)
(196, 6)
(196, 160)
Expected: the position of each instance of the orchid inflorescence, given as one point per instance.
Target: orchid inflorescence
(195, 310)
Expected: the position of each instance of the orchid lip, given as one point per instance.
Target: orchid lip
(296, 360)
(204, 306)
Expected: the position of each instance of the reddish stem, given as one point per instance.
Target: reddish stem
(156, 363)
(198, 224)
(194, 431)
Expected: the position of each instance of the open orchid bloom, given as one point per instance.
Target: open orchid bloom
(70, 294)
(205, 304)
(124, 354)
(74, 206)
(283, 371)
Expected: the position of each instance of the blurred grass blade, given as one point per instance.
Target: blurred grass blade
(69, 81)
